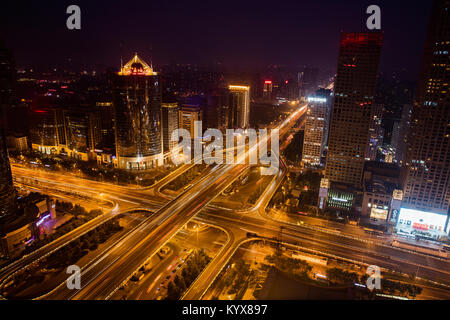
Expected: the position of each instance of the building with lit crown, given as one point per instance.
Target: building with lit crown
(354, 91)
(137, 111)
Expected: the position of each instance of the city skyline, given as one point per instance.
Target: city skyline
(267, 176)
(101, 43)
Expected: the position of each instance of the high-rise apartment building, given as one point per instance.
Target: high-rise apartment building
(427, 162)
(354, 91)
(137, 110)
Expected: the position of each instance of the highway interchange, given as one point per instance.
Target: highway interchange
(102, 276)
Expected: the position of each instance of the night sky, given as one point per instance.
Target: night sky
(236, 33)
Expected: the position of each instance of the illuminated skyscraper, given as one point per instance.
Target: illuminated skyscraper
(354, 92)
(427, 162)
(239, 103)
(316, 128)
(169, 124)
(137, 109)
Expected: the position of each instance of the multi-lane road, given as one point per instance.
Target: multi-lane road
(352, 244)
(104, 275)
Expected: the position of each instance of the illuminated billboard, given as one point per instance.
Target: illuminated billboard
(421, 223)
(317, 99)
(377, 213)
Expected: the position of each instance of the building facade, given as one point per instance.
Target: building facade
(7, 192)
(217, 115)
(187, 117)
(381, 183)
(354, 91)
(427, 163)
(47, 132)
(18, 143)
(83, 133)
(105, 110)
(137, 111)
(316, 128)
(169, 124)
(239, 103)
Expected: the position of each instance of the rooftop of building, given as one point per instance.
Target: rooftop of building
(136, 66)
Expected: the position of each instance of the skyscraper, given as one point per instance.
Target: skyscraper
(316, 128)
(137, 110)
(354, 92)
(169, 124)
(239, 102)
(427, 162)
